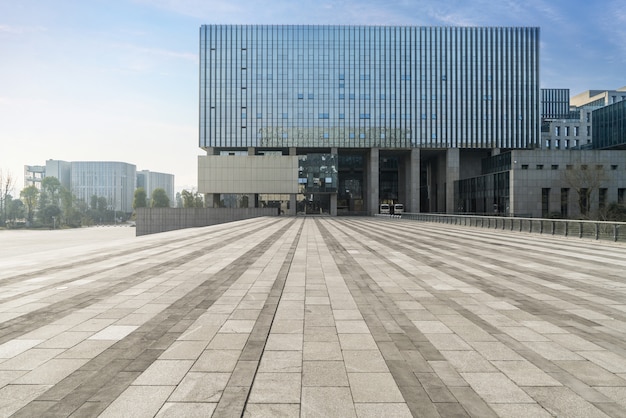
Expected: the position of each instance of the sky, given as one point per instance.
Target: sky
(117, 80)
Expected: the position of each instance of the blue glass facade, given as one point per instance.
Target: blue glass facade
(368, 87)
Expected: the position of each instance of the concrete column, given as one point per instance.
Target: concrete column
(453, 163)
(214, 202)
(333, 204)
(372, 182)
(292, 204)
(210, 151)
(412, 185)
(333, 197)
(293, 210)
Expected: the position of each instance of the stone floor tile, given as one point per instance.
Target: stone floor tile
(496, 388)
(288, 326)
(66, 339)
(574, 342)
(321, 350)
(352, 327)
(388, 410)
(524, 334)
(51, 372)
(588, 372)
(325, 402)
(252, 314)
(140, 401)
(12, 348)
(200, 387)
(552, 351)
(30, 359)
(493, 350)
(347, 314)
(618, 394)
(374, 387)
(468, 361)
(186, 410)
(87, 349)
(324, 373)
(228, 342)
(562, 402)
(432, 327)
(14, 397)
(448, 342)
(113, 332)
(321, 334)
(272, 410)
(282, 342)
(520, 410)
(184, 350)
(447, 373)
(216, 361)
(364, 361)
(164, 373)
(606, 359)
(276, 388)
(357, 342)
(281, 362)
(472, 403)
(524, 373)
(237, 326)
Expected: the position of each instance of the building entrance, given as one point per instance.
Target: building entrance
(314, 204)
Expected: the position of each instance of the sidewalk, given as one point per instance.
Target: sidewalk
(313, 317)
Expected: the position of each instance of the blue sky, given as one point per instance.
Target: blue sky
(118, 80)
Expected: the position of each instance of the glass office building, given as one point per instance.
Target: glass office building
(331, 89)
(609, 126)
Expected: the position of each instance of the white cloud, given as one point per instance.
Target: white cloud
(20, 30)
(202, 9)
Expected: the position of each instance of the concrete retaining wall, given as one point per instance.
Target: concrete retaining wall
(155, 220)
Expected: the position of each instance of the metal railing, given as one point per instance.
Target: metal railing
(605, 230)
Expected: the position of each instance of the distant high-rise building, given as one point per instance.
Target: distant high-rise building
(115, 181)
(327, 119)
(151, 180)
(62, 170)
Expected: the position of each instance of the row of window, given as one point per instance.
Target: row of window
(566, 130)
(570, 167)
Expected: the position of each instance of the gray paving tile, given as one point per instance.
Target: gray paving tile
(496, 388)
(360, 298)
(374, 387)
(186, 410)
(561, 401)
(276, 388)
(324, 373)
(327, 402)
(200, 387)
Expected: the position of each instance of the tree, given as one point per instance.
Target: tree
(6, 185)
(30, 196)
(192, 199)
(102, 205)
(16, 210)
(140, 200)
(93, 203)
(188, 199)
(52, 187)
(160, 199)
(585, 181)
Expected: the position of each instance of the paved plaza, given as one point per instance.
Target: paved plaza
(315, 317)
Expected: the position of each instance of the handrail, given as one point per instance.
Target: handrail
(564, 227)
